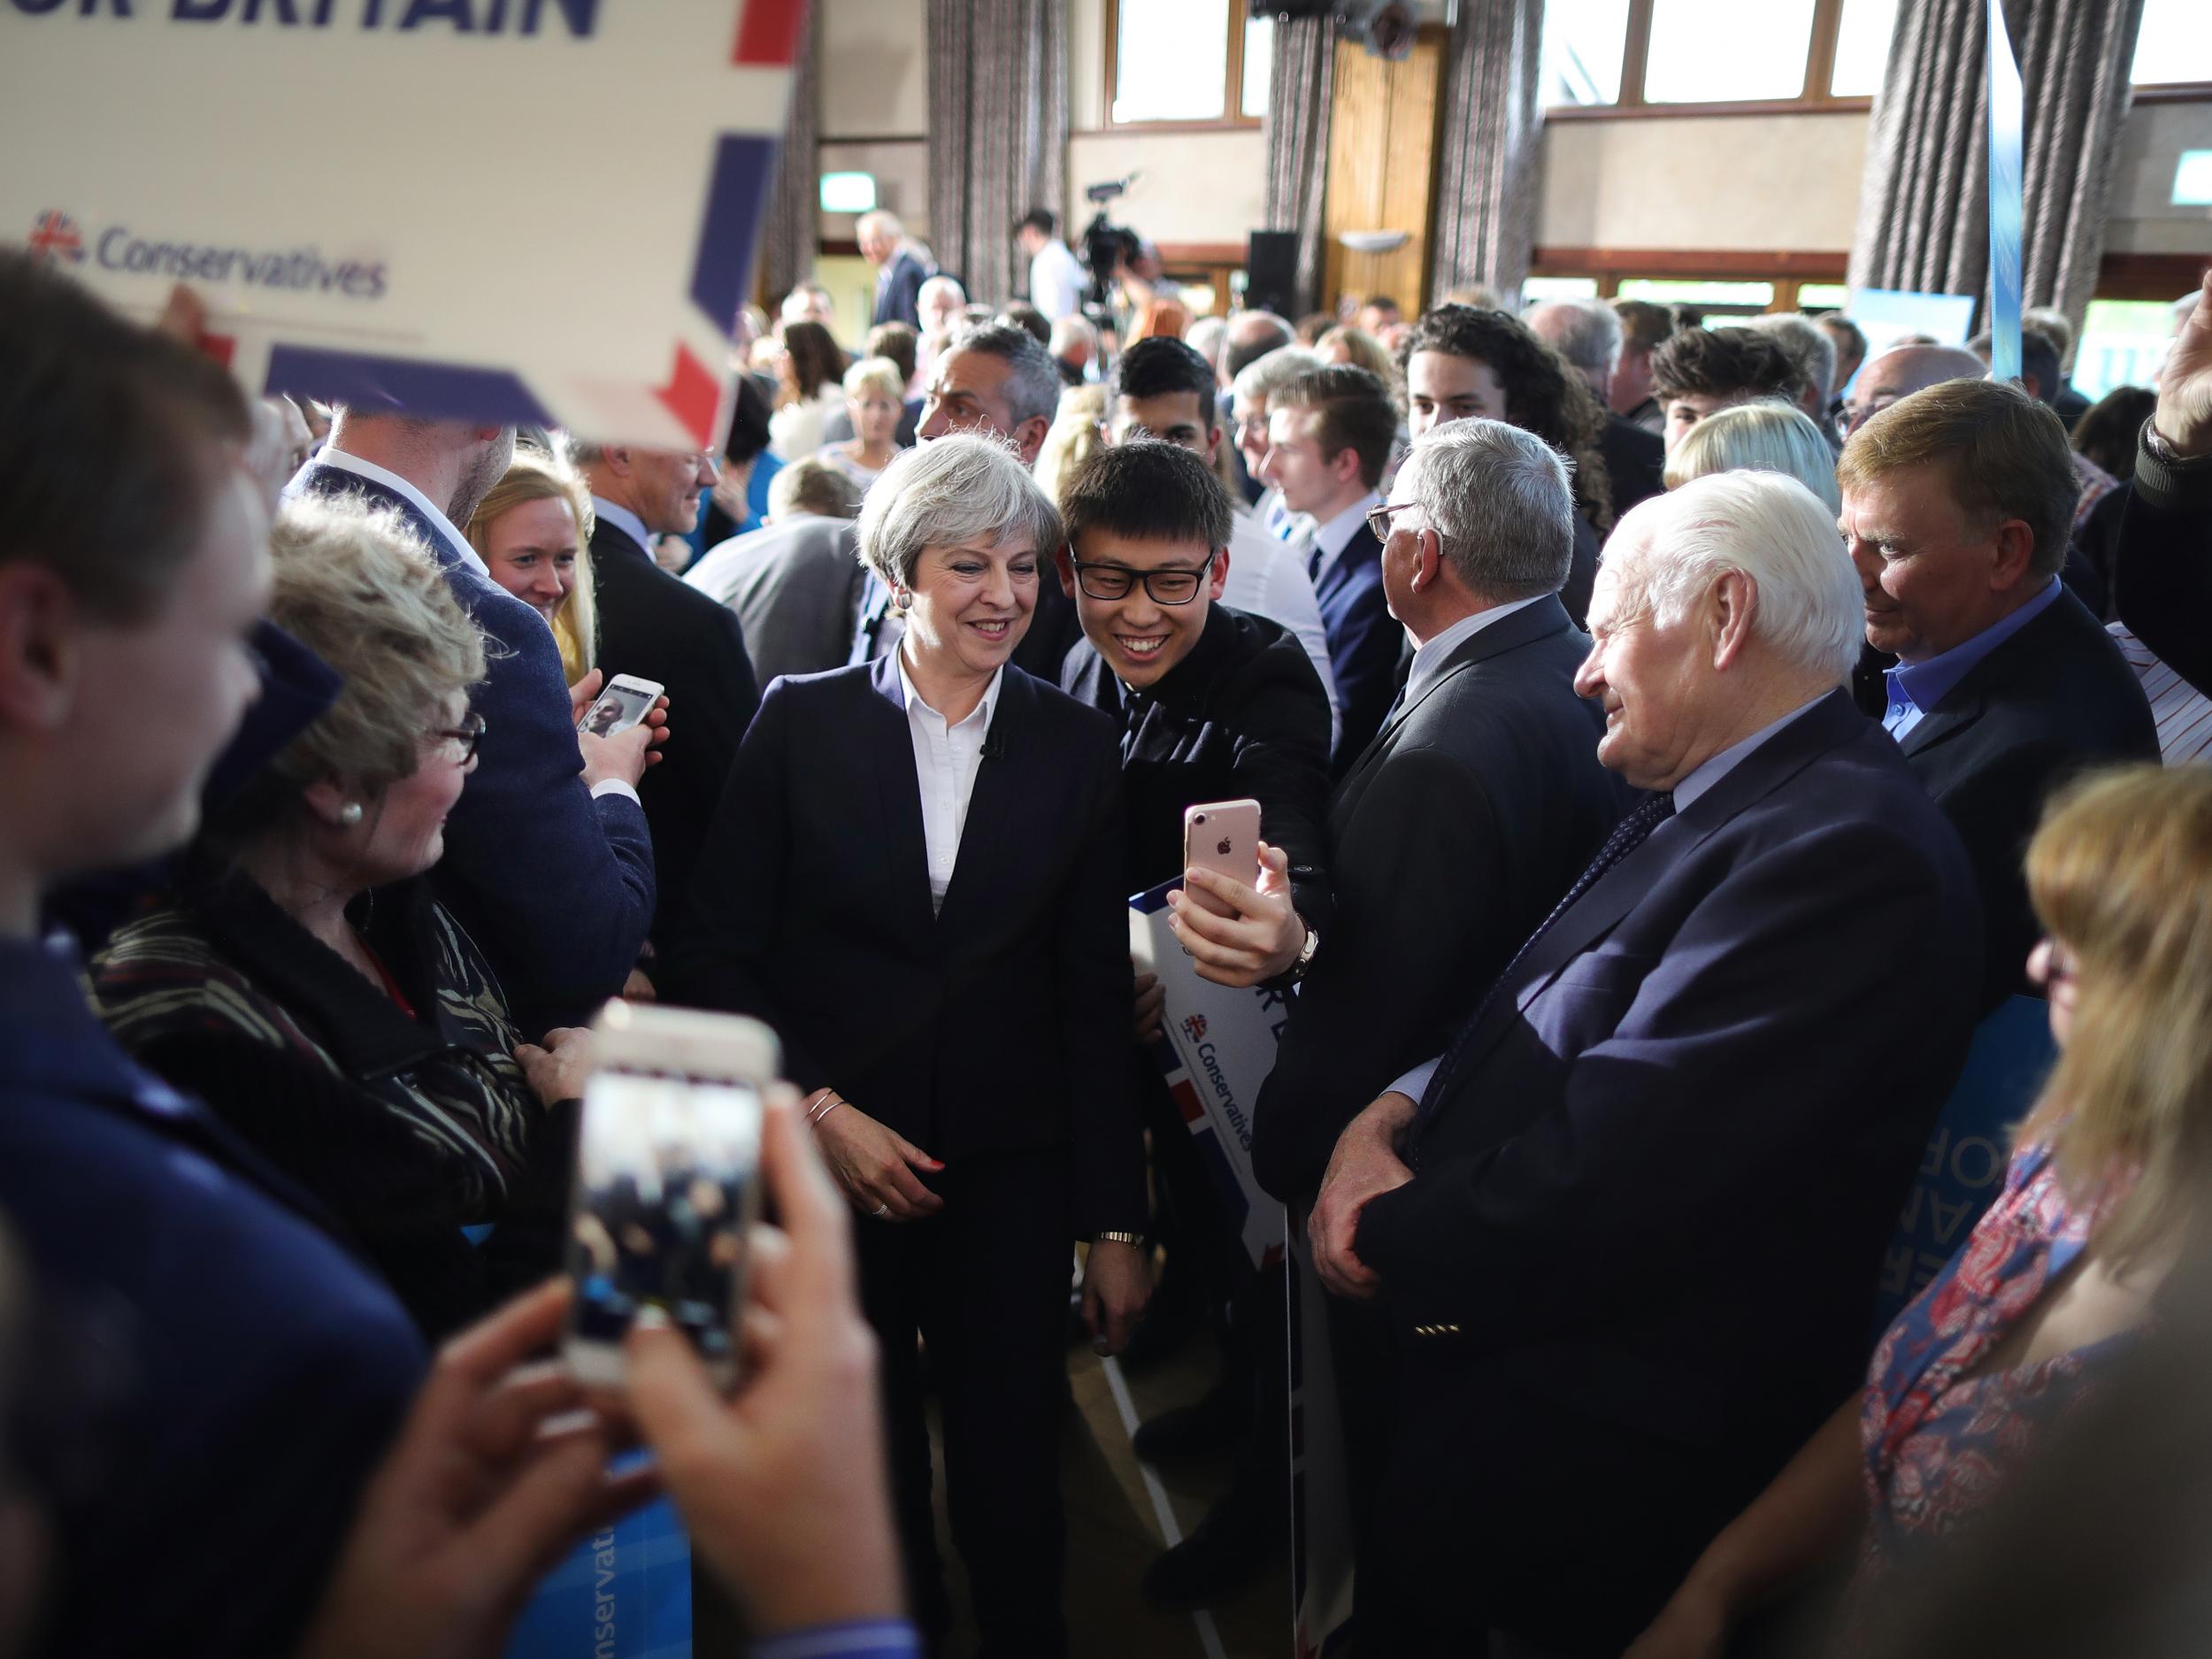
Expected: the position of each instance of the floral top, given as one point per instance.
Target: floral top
(1937, 1439)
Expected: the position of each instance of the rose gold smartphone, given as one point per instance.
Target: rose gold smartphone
(1222, 836)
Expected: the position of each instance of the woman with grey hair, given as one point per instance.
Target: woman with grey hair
(917, 877)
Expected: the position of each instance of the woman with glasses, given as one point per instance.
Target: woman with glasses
(917, 877)
(305, 983)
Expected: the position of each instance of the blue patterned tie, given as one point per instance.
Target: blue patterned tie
(1633, 831)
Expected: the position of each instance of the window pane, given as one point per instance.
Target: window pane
(1863, 47)
(1259, 57)
(2175, 43)
(2123, 342)
(1584, 42)
(1663, 291)
(1822, 297)
(1714, 52)
(1173, 60)
(1539, 288)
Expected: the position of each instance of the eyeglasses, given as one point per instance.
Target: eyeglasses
(468, 734)
(1378, 518)
(1114, 581)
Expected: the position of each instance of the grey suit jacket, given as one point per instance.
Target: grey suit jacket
(796, 587)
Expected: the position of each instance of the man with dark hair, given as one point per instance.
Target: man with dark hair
(1956, 504)
(1330, 434)
(1057, 277)
(1850, 343)
(1377, 312)
(1644, 328)
(1162, 389)
(1700, 369)
(1021, 314)
(1587, 334)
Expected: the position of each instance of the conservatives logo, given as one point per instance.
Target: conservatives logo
(1195, 1028)
(55, 236)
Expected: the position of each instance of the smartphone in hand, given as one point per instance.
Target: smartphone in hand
(1222, 836)
(625, 701)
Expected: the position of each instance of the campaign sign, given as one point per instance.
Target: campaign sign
(624, 1593)
(539, 212)
(1217, 1048)
(2008, 118)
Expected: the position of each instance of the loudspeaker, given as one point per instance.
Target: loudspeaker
(1270, 272)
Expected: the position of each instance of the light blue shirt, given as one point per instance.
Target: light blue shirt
(623, 520)
(1915, 689)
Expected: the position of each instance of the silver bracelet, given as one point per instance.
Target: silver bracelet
(830, 1102)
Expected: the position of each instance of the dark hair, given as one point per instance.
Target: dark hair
(1146, 491)
(1379, 302)
(1037, 218)
(1852, 335)
(1032, 383)
(1022, 314)
(2109, 428)
(1544, 394)
(108, 435)
(899, 342)
(1160, 366)
(1312, 326)
(1725, 363)
(2039, 356)
(1642, 323)
(749, 422)
(1356, 414)
(816, 358)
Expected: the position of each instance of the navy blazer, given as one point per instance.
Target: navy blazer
(1000, 1024)
(555, 884)
(898, 296)
(251, 1371)
(1364, 642)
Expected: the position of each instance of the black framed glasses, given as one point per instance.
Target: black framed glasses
(468, 734)
(1378, 518)
(1114, 581)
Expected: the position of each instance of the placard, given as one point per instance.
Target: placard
(539, 212)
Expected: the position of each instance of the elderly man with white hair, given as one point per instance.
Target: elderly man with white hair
(1626, 1228)
(901, 266)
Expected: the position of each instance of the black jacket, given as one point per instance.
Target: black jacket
(1635, 460)
(1243, 714)
(2163, 579)
(1000, 1024)
(1450, 839)
(2055, 698)
(653, 625)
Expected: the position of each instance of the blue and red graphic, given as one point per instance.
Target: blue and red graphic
(55, 236)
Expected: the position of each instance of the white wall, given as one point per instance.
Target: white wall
(875, 88)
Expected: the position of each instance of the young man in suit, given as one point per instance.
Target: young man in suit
(1956, 503)
(548, 862)
(1700, 369)
(1330, 434)
(1451, 837)
(652, 626)
(1626, 1228)
(1213, 704)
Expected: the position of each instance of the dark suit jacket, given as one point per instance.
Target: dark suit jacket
(653, 625)
(1654, 1194)
(796, 587)
(1635, 460)
(1582, 572)
(1001, 1023)
(1364, 639)
(556, 885)
(232, 1357)
(896, 298)
(1243, 714)
(2055, 697)
(2163, 586)
(1053, 628)
(1450, 841)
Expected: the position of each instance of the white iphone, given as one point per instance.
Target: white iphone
(1222, 836)
(667, 1181)
(621, 704)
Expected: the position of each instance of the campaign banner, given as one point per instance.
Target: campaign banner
(2008, 116)
(624, 1593)
(537, 212)
(1217, 1046)
(1963, 1166)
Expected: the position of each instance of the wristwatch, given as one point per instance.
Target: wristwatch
(1105, 1237)
(1297, 969)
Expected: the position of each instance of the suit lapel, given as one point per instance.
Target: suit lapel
(899, 794)
(1954, 715)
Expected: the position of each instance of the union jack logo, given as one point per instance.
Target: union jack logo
(1195, 1028)
(54, 236)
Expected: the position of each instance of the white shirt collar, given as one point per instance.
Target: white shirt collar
(623, 520)
(912, 699)
(1333, 537)
(1718, 767)
(1430, 658)
(332, 456)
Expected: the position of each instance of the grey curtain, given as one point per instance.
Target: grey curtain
(792, 235)
(1923, 201)
(1301, 80)
(1486, 155)
(998, 132)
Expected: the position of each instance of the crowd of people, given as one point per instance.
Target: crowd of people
(1671, 744)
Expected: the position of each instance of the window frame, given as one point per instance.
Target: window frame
(1813, 96)
(1233, 119)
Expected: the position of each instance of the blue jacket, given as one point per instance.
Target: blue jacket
(251, 1371)
(1366, 641)
(555, 884)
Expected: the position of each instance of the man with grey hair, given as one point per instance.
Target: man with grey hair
(1256, 383)
(1813, 353)
(795, 582)
(1627, 1225)
(1074, 348)
(1587, 334)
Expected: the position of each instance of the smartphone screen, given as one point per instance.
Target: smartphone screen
(617, 709)
(665, 1166)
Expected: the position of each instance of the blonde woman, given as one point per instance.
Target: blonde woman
(875, 400)
(2060, 1274)
(533, 531)
(1766, 437)
(1077, 430)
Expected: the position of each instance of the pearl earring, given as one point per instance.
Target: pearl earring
(349, 814)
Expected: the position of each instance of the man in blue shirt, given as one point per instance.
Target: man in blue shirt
(1956, 504)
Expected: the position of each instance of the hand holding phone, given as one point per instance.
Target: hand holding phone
(1222, 836)
(625, 700)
